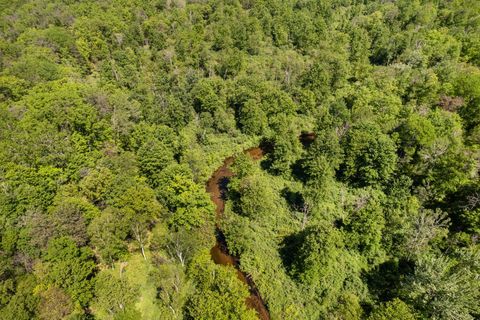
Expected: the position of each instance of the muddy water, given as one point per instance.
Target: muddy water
(216, 187)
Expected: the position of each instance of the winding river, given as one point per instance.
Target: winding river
(217, 187)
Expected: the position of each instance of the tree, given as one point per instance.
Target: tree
(253, 120)
(444, 288)
(68, 267)
(416, 133)
(364, 225)
(230, 63)
(348, 307)
(370, 156)
(287, 146)
(208, 95)
(55, 304)
(11, 88)
(434, 154)
(140, 209)
(428, 226)
(96, 185)
(113, 295)
(173, 288)
(254, 197)
(392, 310)
(179, 245)
(154, 156)
(323, 157)
(22, 304)
(108, 233)
(36, 65)
(69, 217)
(218, 292)
(188, 203)
(466, 86)
(319, 262)
(327, 74)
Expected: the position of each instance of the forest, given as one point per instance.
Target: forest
(328, 150)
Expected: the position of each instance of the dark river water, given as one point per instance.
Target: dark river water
(216, 187)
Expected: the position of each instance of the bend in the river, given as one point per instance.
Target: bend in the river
(216, 187)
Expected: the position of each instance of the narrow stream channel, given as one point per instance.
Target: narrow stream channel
(216, 187)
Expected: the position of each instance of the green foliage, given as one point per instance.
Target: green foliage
(114, 115)
(173, 288)
(323, 157)
(348, 307)
(365, 224)
(218, 292)
(11, 87)
(319, 246)
(257, 199)
(22, 303)
(107, 233)
(188, 203)
(395, 309)
(321, 264)
(36, 65)
(114, 296)
(433, 154)
(55, 304)
(69, 267)
(370, 157)
(154, 156)
(445, 288)
(466, 85)
(287, 146)
(69, 217)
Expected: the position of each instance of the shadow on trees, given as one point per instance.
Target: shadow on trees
(298, 171)
(385, 280)
(289, 249)
(294, 199)
(465, 198)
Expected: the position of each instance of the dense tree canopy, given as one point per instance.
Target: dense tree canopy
(365, 203)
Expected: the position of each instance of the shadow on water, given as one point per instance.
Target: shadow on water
(222, 184)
